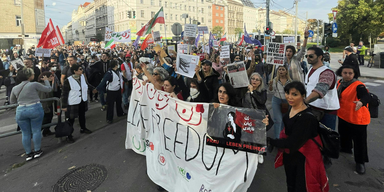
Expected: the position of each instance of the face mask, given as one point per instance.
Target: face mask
(193, 91)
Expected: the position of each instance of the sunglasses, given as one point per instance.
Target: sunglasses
(310, 56)
(255, 79)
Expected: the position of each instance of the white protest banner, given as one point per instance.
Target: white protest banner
(237, 74)
(156, 36)
(288, 39)
(224, 53)
(206, 49)
(172, 134)
(186, 64)
(17, 64)
(276, 53)
(203, 29)
(190, 30)
(40, 51)
(123, 36)
(183, 48)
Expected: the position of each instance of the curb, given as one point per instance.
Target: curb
(371, 77)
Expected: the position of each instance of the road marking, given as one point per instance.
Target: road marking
(372, 84)
(379, 81)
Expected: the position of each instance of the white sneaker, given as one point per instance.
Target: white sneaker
(261, 159)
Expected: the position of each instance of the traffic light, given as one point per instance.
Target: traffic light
(134, 14)
(129, 14)
(327, 29)
(268, 30)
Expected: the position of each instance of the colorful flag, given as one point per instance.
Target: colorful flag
(158, 18)
(224, 38)
(54, 39)
(210, 41)
(110, 45)
(242, 40)
(46, 33)
(148, 40)
(136, 41)
(249, 40)
(197, 39)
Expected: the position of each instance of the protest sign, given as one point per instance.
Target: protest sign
(203, 30)
(40, 51)
(17, 64)
(186, 64)
(240, 129)
(183, 48)
(171, 47)
(237, 74)
(190, 33)
(123, 36)
(224, 53)
(276, 53)
(156, 36)
(157, 48)
(172, 135)
(206, 49)
(216, 43)
(288, 39)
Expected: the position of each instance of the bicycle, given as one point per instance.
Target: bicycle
(371, 61)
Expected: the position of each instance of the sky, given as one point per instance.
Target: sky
(60, 11)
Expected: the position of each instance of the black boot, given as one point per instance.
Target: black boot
(360, 168)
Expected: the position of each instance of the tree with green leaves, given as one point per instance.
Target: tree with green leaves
(288, 31)
(218, 30)
(357, 20)
(238, 30)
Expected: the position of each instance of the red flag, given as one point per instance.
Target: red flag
(53, 40)
(148, 40)
(245, 122)
(242, 39)
(47, 31)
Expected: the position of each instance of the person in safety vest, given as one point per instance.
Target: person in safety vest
(354, 115)
(112, 83)
(75, 98)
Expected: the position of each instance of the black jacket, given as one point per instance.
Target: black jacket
(352, 61)
(211, 83)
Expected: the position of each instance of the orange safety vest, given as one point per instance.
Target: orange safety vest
(347, 106)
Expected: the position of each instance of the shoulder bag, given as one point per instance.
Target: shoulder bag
(284, 107)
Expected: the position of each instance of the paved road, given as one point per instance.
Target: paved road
(127, 170)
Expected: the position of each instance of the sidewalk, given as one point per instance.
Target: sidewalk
(371, 73)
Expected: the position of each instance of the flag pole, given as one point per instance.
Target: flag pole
(165, 30)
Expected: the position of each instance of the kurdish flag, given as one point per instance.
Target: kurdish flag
(110, 45)
(158, 18)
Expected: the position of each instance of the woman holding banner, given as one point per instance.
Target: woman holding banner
(300, 155)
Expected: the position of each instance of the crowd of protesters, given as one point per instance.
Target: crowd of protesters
(301, 97)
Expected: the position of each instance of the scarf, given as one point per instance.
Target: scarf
(193, 94)
(343, 85)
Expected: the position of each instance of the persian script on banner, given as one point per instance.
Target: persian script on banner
(124, 36)
(276, 53)
(172, 135)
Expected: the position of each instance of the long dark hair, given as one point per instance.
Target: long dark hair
(231, 92)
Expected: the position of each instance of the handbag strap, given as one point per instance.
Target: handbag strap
(21, 90)
(253, 105)
(278, 89)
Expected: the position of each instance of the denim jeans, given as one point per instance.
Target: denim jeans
(30, 119)
(102, 98)
(277, 115)
(329, 120)
(126, 94)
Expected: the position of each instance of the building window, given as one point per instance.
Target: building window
(160, 3)
(193, 9)
(202, 20)
(209, 20)
(142, 13)
(152, 13)
(221, 8)
(202, 1)
(170, 5)
(217, 21)
(142, 25)
(221, 21)
(189, 8)
(181, 17)
(152, 2)
(185, 7)
(171, 17)
(175, 5)
(217, 14)
(142, 1)
(217, 7)
(176, 17)
(221, 15)
(209, 7)
(17, 2)
(166, 16)
(166, 4)
(202, 10)
(181, 6)
(161, 27)
(18, 20)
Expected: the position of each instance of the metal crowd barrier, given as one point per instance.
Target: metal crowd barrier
(43, 126)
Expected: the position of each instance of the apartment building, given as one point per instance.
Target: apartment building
(235, 18)
(11, 30)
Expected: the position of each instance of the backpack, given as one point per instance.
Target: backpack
(373, 106)
(326, 56)
(330, 140)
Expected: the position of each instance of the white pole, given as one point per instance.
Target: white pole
(296, 2)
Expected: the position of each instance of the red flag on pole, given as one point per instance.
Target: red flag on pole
(47, 31)
(54, 39)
